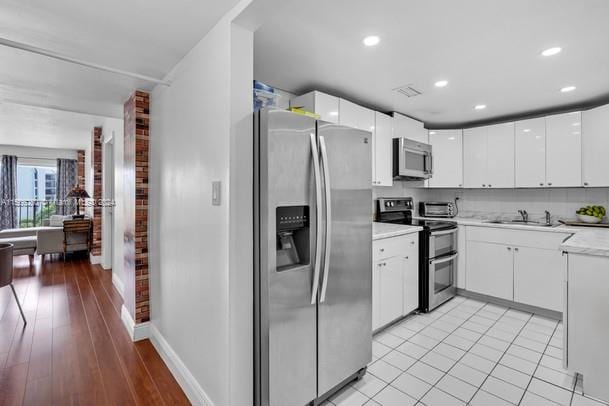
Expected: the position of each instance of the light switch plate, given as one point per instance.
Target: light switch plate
(216, 193)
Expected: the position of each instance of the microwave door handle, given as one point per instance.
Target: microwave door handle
(326, 170)
(443, 260)
(318, 214)
(429, 157)
(445, 232)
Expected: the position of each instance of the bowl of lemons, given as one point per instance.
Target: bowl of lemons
(591, 214)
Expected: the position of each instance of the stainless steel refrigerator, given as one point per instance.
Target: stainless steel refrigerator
(313, 257)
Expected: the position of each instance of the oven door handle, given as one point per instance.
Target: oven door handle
(445, 232)
(442, 260)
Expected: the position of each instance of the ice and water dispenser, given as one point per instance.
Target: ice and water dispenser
(293, 234)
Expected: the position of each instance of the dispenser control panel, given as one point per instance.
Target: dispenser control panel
(292, 217)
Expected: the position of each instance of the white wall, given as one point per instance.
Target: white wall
(196, 299)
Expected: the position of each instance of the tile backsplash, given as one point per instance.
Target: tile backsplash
(490, 203)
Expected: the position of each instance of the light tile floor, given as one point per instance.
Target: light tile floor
(468, 352)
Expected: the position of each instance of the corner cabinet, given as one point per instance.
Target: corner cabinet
(595, 143)
(447, 152)
(395, 278)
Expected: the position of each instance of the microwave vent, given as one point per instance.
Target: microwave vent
(407, 90)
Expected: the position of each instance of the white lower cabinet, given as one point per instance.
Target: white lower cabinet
(490, 269)
(516, 265)
(538, 276)
(395, 279)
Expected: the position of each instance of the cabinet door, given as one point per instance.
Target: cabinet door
(410, 277)
(355, 116)
(595, 138)
(409, 128)
(474, 157)
(376, 306)
(447, 151)
(390, 292)
(563, 150)
(382, 156)
(538, 277)
(530, 141)
(500, 156)
(490, 269)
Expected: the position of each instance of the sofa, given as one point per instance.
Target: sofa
(48, 239)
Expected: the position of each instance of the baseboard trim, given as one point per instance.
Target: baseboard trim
(552, 314)
(118, 284)
(181, 373)
(95, 259)
(137, 332)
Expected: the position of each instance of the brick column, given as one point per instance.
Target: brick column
(81, 168)
(136, 206)
(96, 166)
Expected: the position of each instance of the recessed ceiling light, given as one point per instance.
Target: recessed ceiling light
(371, 40)
(567, 89)
(451, 138)
(441, 83)
(526, 130)
(551, 51)
(480, 106)
(432, 133)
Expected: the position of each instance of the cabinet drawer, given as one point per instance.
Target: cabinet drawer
(394, 246)
(522, 238)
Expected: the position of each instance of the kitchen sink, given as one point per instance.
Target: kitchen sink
(520, 222)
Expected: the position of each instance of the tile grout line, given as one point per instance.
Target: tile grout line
(499, 360)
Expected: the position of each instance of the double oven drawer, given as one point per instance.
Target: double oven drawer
(442, 243)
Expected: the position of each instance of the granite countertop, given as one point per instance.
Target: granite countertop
(588, 241)
(386, 230)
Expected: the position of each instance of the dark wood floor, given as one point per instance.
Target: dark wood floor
(74, 349)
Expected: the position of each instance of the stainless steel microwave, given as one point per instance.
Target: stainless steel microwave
(412, 160)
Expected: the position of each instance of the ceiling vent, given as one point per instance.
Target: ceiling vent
(407, 90)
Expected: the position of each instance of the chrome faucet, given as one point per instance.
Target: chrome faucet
(548, 218)
(524, 215)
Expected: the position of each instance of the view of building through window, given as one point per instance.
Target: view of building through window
(36, 191)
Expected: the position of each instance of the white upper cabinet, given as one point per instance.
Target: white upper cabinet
(595, 144)
(406, 127)
(382, 174)
(447, 152)
(475, 157)
(500, 155)
(325, 105)
(353, 115)
(530, 147)
(563, 150)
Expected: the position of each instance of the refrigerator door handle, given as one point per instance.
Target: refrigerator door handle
(328, 201)
(318, 215)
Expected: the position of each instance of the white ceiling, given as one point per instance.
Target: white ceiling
(488, 50)
(148, 37)
(46, 128)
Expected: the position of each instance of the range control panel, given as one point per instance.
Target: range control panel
(386, 204)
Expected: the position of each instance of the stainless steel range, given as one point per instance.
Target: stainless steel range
(438, 251)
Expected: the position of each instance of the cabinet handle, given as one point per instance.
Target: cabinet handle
(509, 248)
(540, 184)
(585, 183)
(406, 257)
(516, 249)
(382, 249)
(460, 185)
(483, 185)
(411, 242)
(489, 185)
(549, 183)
